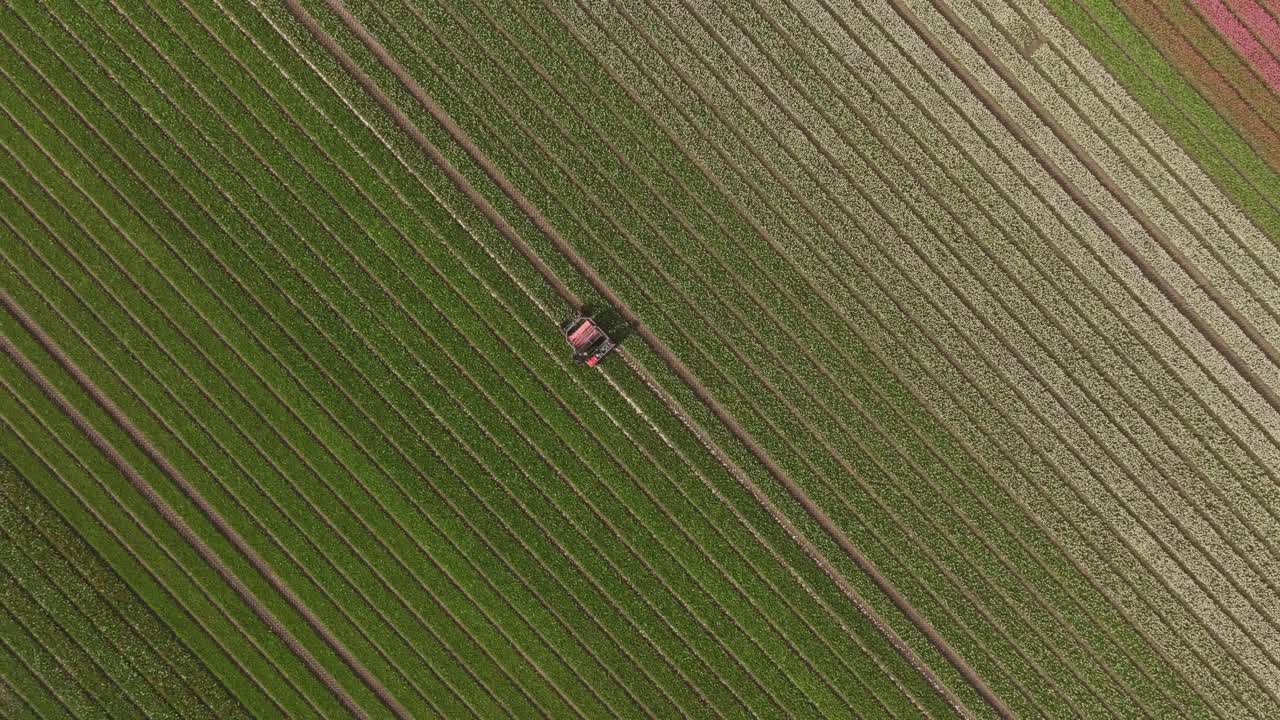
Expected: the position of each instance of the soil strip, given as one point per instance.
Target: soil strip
(171, 516)
(650, 339)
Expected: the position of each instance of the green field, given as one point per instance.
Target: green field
(230, 236)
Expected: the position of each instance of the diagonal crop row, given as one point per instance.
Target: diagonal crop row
(1152, 179)
(979, 136)
(31, 566)
(1199, 128)
(1264, 629)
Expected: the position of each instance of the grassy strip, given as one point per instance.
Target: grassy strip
(134, 633)
(1197, 126)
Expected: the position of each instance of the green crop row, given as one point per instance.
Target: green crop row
(342, 304)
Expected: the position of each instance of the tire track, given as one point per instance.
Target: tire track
(1217, 381)
(1211, 666)
(830, 570)
(721, 680)
(1136, 444)
(580, 265)
(143, 487)
(786, 37)
(207, 397)
(912, 21)
(1161, 326)
(649, 381)
(1189, 537)
(1154, 185)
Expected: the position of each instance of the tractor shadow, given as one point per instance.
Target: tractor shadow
(612, 321)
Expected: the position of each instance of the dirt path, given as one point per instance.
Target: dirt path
(1047, 163)
(176, 521)
(580, 264)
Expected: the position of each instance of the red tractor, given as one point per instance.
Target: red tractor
(590, 343)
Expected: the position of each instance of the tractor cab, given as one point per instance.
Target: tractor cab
(589, 341)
